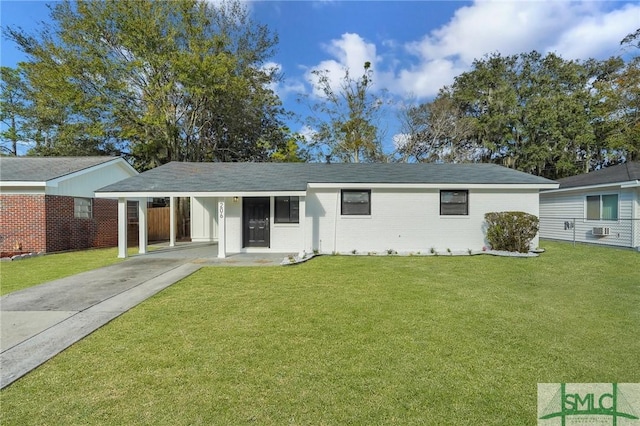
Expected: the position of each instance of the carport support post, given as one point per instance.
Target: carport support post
(122, 228)
(222, 241)
(142, 225)
(172, 221)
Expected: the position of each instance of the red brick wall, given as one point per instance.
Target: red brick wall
(39, 223)
(22, 223)
(65, 232)
(105, 213)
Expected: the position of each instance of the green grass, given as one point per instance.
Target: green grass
(351, 340)
(28, 272)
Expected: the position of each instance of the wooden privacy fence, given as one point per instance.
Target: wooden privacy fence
(158, 223)
(158, 228)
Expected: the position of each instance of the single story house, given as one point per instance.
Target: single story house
(333, 208)
(601, 207)
(47, 204)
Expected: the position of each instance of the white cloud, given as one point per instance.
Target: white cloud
(350, 52)
(488, 26)
(598, 35)
(574, 30)
(400, 140)
(271, 67)
(427, 78)
(307, 133)
(286, 86)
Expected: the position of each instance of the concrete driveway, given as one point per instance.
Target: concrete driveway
(39, 322)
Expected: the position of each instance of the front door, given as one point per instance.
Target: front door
(255, 219)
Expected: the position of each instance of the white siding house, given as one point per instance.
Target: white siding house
(601, 207)
(338, 208)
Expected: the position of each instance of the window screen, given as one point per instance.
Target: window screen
(454, 203)
(287, 210)
(602, 207)
(356, 202)
(82, 208)
(593, 207)
(610, 207)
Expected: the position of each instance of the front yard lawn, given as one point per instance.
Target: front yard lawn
(25, 273)
(351, 340)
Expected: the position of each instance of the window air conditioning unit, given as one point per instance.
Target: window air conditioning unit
(601, 231)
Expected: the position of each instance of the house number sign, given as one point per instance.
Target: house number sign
(221, 210)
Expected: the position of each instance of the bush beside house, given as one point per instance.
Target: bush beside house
(511, 231)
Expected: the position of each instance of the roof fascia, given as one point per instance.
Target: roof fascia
(156, 194)
(631, 184)
(21, 183)
(118, 160)
(433, 185)
(592, 187)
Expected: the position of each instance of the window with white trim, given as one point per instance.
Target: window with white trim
(602, 207)
(287, 210)
(454, 203)
(83, 208)
(356, 202)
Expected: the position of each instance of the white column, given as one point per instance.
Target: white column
(191, 203)
(142, 225)
(302, 213)
(172, 221)
(222, 241)
(122, 228)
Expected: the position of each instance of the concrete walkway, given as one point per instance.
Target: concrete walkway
(39, 322)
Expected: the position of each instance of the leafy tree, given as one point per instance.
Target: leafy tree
(620, 98)
(530, 112)
(632, 39)
(345, 119)
(488, 98)
(13, 109)
(292, 151)
(161, 81)
(436, 131)
(539, 114)
(617, 118)
(554, 134)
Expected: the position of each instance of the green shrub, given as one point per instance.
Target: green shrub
(511, 231)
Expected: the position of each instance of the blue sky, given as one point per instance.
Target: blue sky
(415, 47)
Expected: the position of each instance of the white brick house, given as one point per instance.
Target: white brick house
(335, 208)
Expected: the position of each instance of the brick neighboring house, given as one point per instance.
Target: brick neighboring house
(47, 204)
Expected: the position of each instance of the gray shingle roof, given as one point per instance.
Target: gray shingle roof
(621, 173)
(42, 169)
(256, 177)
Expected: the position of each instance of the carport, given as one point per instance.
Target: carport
(231, 204)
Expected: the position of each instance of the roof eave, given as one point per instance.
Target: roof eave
(22, 184)
(157, 194)
(631, 184)
(116, 160)
(301, 193)
(433, 185)
(628, 184)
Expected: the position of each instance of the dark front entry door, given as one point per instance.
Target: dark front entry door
(255, 218)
